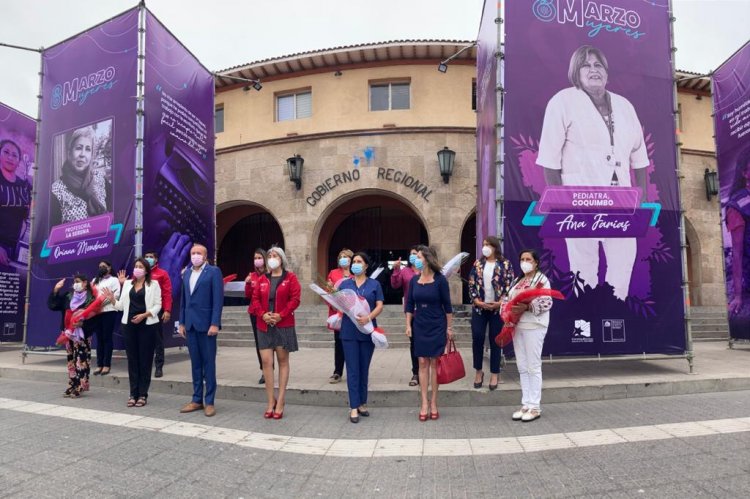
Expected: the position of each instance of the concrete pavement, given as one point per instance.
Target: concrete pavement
(717, 368)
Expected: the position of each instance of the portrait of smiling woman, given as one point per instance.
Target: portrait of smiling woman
(15, 198)
(82, 189)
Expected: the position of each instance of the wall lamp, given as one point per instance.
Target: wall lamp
(257, 86)
(253, 83)
(446, 159)
(712, 183)
(295, 169)
(443, 66)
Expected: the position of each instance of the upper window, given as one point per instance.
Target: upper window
(219, 119)
(294, 106)
(387, 96)
(474, 95)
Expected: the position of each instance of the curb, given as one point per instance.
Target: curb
(397, 397)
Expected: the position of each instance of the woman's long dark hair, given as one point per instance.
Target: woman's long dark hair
(495, 243)
(430, 256)
(261, 252)
(97, 279)
(147, 277)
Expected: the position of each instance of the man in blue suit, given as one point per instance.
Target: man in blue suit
(202, 298)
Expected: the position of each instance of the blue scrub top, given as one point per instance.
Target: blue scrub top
(370, 291)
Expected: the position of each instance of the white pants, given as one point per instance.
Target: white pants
(527, 345)
(583, 255)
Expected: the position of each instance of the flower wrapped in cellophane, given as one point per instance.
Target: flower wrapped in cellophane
(348, 302)
(454, 264)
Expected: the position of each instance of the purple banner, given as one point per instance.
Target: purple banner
(590, 167)
(487, 46)
(731, 94)
(17, 136)
(85, 185)
(179, 156)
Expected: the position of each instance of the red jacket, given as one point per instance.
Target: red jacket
(249, 287)
(162, 277)
(287, 299)
(335, 276)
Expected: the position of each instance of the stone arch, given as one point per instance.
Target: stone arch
(693, 254)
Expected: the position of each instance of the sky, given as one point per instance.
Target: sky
(225, 33)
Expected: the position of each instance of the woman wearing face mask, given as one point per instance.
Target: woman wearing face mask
(78, 307)
(277, 295)
(489, 282)
(529, 335)
(81, 191)
(358, 347)
(140, 303)
(400, 279)
(106, 320)
(251, 281)
(335, 277)
(429, 317)
(15, 198)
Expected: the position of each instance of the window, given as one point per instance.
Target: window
(474, 95)
(219, 119)
(294, 106)
(679, 117)
(388, 96)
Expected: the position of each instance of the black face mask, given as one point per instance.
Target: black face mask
(103, 271)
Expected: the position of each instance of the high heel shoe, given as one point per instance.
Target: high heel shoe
(277, 415)
(423, 417)
(269, 414)
(481, 381)
(434, 415)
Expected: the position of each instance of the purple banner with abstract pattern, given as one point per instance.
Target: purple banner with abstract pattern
(731, 94)
(17, 137)
(486, 123)
(178, 177)
(85, 182)
(590, 170)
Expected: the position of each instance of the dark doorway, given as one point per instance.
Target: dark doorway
(468, 244)
(385, 232)
(259, 230)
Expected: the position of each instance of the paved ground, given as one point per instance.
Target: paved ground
(677, 446)
(717, 368)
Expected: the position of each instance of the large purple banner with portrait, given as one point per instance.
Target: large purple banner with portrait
(590, 170)
(486, 121)
(85, 185)
(17, 137)
(178, 177)
(731, 94)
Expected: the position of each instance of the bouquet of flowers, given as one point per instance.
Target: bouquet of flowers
(348, 302)
(454, 264)
(510, 318)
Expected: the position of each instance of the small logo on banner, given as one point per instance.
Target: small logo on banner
(9, 329)
(582, 332)
(613, 330)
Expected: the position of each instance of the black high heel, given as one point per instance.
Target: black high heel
(481, 381)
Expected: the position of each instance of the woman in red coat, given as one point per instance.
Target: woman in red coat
(251, 282)
(277, 296)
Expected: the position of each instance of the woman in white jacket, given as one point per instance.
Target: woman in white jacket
(140, 303)
(529, 335)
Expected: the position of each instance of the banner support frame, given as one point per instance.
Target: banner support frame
(500, 128)
(140, 131)
(689, 352)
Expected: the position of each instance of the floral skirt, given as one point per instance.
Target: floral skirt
(79, 366)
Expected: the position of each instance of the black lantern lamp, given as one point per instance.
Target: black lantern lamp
(446, 158)
(712, 184)
(295, 169)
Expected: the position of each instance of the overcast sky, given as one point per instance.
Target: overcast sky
(224, 33)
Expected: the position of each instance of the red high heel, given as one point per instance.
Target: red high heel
(269, 414)
(434, 415)
(278, 415)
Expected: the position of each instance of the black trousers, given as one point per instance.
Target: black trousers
(414, 360)
(254, 322)
(338, 354)
(159, 337)
(105, 327)
(140, 340)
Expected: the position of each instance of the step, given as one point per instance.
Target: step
(250, 343)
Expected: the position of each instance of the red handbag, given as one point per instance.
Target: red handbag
(450, 365)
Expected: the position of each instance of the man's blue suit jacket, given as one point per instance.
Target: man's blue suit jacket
(202, 309)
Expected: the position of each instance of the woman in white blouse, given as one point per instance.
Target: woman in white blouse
(140, 303)
(529, 335)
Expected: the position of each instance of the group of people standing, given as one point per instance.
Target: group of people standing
(429, 322)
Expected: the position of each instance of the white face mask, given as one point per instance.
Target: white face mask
(527, 267)
(273, 263)
(487, 251)
(77, 287)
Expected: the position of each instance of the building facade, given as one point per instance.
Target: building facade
(368, 121)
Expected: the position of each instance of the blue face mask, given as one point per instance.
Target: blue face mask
(418, 264)
(412, 259)
(357, 268)
(150, 261)
(343, 262)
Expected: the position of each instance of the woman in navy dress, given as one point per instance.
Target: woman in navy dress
(358, 347)
(429, 317)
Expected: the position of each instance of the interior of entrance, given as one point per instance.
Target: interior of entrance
(468, 245)
(383, 227)
(242, 229)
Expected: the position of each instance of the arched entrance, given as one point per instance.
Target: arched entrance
(693, 264)
(382, 226)
(469, 245)
(240, 230)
